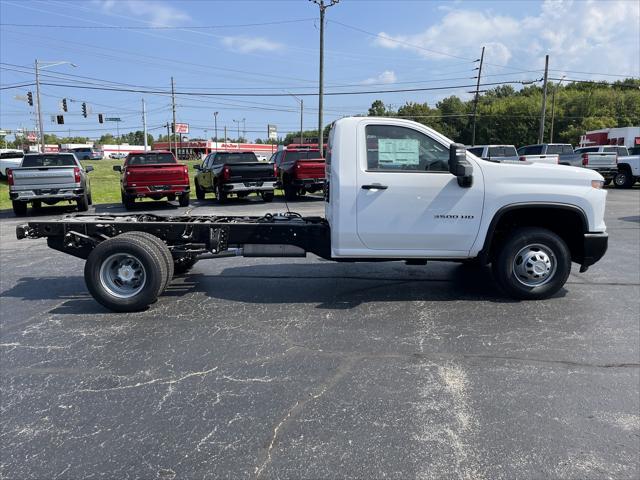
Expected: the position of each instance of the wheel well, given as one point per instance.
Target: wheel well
(567, 222)
(626, 167)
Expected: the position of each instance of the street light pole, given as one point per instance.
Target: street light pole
(323, 6)
(301, 102)
(215, 119)
(553, 107)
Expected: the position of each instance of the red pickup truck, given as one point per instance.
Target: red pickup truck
(155, 174)
(300, 169)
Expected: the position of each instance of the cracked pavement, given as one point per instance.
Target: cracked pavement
(303, 368)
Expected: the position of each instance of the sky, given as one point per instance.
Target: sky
(245, 48)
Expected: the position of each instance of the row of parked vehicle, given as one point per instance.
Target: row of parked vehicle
(298, 169)
(615, 163)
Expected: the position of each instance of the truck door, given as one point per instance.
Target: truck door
(407, 199)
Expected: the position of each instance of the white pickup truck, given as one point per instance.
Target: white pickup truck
(628, 171)
(396, 191)
(9, 158)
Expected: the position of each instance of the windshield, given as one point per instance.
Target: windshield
(150, 158)
(555, 149)
(587, 150)
(303, 155)
(502, 151)
(530, 150)
(477, 151)
(83, 150)
(49, 161)
(11, 155)
(245, 157)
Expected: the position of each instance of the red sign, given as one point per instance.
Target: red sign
(182, 128)
(31, 136)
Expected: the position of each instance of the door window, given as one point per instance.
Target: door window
(392, 148)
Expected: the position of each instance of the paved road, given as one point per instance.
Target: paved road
(302, 368)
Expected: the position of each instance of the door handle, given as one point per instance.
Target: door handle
(374, 186)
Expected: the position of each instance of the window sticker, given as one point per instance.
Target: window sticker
(395, 152)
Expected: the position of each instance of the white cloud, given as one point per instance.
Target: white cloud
(154, 12)
(388, 76)
(244, 44)
(600, 36)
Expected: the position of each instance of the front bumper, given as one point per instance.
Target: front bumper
(47, 194)
(594, 247)
(259, 186)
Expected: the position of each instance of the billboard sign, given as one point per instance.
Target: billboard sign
(272, 130)
(182, 128)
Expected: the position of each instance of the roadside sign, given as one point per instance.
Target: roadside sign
(112, 119)
(182, 128)
(31, 136)
(273, 132)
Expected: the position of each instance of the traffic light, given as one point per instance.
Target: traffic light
(60, 119)
(100, 118)
(30, 98)
(84, 109)
(64, 105)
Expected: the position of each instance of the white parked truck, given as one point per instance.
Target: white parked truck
(628, 171)
(396, 191)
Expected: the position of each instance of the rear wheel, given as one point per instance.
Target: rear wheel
(607, 181)
(184, 200)
(127, 200)
(36, 204)
(221, 196)
(533, 263)
(623, 179)
(19, 208)
(125, 273)
(267, 196)
(162, 249)
(83, 203)
(290, 192)
(200, 193)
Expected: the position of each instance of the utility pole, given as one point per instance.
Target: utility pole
(40, 127)
(225, 134)
(215, 119)
(244, 129)
(323, 6)
(168, 136)
(553, 107)
(544, 99)
(238, 122)
(144, 125)
(475, 101)
(173, 107)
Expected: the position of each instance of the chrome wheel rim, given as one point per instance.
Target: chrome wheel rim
(620, 179)
(534, 265)
(123, 275)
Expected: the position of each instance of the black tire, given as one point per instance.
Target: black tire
(290, 192)
(183, 264)
(83, 203)
(267, 196)
(127, 200)
(171, 198)
(623, 179)
(221, 196)
(138, 250)
(528, 276)
(607, 181)
(90, 199)
(162, 249)
(200, 193)
(19, 208)
(184, 200)
(36, 205)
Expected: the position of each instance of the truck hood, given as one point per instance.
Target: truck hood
(527, 172)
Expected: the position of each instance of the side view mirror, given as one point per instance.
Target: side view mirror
(459, 166)
(88, 168)
(117, 168)
(197, 167)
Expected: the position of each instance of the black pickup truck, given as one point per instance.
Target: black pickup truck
(237, 173)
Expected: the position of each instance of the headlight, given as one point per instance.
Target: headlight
(597, 184)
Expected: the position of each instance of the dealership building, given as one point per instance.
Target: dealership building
(627, 136)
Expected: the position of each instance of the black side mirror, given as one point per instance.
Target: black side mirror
(117, 168)
(88, 168)
(459, 166)
(197, 167)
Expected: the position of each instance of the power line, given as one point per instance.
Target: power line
(155, 27)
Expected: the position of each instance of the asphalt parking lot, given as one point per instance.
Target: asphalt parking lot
(302, 368)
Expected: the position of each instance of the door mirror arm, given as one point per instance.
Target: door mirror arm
(459, 166)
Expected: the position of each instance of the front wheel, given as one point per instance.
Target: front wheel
(199, 191)
(533, 263)
(127, 200)
(83, 203)
(221, 196)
